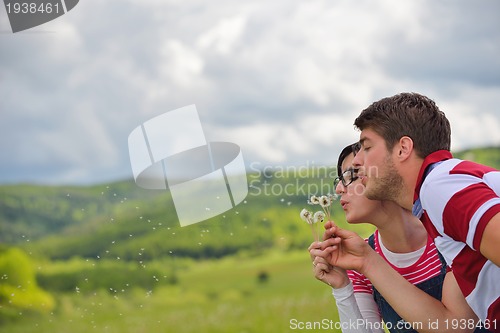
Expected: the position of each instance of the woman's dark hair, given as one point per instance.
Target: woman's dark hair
(348, 150)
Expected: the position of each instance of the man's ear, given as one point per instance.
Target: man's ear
(404, 148)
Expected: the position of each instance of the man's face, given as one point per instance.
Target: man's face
(377, 170)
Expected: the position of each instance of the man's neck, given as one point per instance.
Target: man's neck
(409, 171)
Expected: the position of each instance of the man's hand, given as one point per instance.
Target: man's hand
(345, 249)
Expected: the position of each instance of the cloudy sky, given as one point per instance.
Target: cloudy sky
(283, 79)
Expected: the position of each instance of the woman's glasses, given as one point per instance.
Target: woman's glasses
(347, 177)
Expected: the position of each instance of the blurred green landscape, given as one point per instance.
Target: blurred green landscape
(113, 258)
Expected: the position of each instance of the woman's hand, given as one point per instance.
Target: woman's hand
(333, 276)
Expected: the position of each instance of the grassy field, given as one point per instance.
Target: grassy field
(112, 258)
(267, 293)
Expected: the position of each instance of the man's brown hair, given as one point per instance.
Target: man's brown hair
(408, 114)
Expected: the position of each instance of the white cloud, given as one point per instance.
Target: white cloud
(180, 63)
(473, 116)
(223, 37)
(311, 138)
(284, 79)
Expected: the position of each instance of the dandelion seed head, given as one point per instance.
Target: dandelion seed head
(325, 201)
(306, 216)
(313, 200)
(319, 216)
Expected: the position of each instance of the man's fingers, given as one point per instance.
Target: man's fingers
(330, 242)
(314, 245)
(329, 250)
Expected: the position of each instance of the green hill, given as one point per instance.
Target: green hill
(125, 221)
(112, 257)
(120, 220)
(488, 156)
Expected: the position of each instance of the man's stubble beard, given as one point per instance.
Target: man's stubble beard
(388, 186)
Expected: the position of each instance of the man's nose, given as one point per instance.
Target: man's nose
(358, 159)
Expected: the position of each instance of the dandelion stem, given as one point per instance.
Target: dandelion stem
(314, 232)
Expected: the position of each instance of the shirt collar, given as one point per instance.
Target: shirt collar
(432, 158)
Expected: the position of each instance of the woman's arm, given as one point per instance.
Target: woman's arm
(355, 309)
(358, 312)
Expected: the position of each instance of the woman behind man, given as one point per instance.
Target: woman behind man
(402, 241)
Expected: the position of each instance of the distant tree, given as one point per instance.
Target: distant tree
(18, 285)
(262, 277)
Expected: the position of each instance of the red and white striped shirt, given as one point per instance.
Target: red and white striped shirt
(459, 198)
(426, 267)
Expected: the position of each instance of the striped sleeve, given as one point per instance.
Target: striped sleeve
(359, 282)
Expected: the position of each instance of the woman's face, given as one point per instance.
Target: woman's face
(356, 206)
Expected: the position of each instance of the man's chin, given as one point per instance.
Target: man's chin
(374, 193)
(370, 195)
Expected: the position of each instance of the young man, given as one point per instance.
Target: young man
(405, 157)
